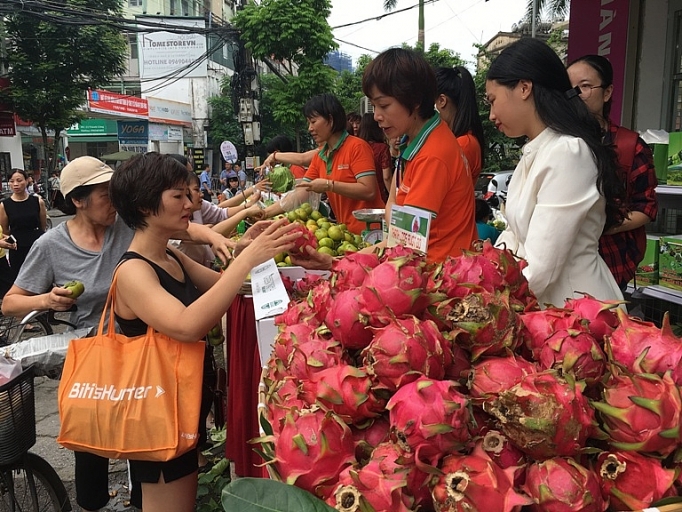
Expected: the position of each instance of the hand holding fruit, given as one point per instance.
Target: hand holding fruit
(76, 288)
(62, 298)
(276, 238)
(318, 185)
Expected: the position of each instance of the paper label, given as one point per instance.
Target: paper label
(409, 227)
(270, 297)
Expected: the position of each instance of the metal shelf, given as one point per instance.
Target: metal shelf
(669, 190)
(657, 292)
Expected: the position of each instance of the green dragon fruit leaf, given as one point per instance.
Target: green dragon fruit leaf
(262, 494)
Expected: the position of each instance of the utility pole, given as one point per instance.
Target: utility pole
(247, 91)
(533, 21)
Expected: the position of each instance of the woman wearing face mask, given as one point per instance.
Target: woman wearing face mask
(622, 246)
(566, 189)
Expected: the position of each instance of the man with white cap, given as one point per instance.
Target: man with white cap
(86, 248)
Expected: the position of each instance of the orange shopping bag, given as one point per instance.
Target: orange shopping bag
(130, 398)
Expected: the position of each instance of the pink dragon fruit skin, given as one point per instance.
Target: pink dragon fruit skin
(369, 435)
(319, 299)
(474, 483)
(298, 313)
(633, 481)
(351, 270)
(346, 390)
(393, 288)
(429, 418)
(289, 336)
(312, 449)
(572, 351)
(492, 375)
(562, 485)
(313, 356)
(644, 348)
(305, 239)
(501, 451)
(347, 322)
(600, 315)
(458, 276)
(371, 488)
(544, 415)
(403, 350)
(540, 325)
(641, 412)
(392, 458)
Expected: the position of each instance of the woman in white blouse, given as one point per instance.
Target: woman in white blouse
(565, 191)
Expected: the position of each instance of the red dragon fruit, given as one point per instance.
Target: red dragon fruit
(571, 351)
(312, 449)
(457, 359)
(392, 289)
(369, 435)
(633, 481)
(501, 451)
(392, 458)
(492, 375)
(298, 313)
(403, 350)
(289, 336)
(540, 325)
(346, 390)
(306, 238)
(474, 483)
(511, 269)
(562, 485)
(351, 270)
(311, 357)
(600, 315)
(544, 415)
(641, 412)
(283, 398)
(372, 488)
(644, 348)
(319, 299)
(429, 418)
(489, 322)
(347, 322)
(302, 287)
(457, 277)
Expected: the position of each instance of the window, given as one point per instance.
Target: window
(134, 3)
(132, 43)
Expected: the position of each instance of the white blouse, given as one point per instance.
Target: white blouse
(555, 217)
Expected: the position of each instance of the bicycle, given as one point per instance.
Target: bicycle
(28, 483)
(12, 329)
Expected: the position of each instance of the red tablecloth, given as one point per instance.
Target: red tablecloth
(243, 377)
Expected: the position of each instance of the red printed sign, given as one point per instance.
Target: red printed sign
(106, 102)
(601, 27)
(7, 127)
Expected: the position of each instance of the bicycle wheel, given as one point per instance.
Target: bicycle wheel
(15, 493)
(10, 326)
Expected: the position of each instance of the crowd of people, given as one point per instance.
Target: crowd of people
(576, 210)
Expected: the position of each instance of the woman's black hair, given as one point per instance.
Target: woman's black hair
(404, 75)
(370, 129)
(279, 143)
(560, 108)
(20, 171)
(605, 71)
(136, 187)
(327, 106)
(180, 158)
(81, 193)
(483, 210)
(458, 85)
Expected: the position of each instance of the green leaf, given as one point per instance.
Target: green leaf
(261, 494)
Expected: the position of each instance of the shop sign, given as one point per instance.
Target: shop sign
(7, 127)
(165, 133)
(93, 127)
(170, 112)
(133, 132)
(165, 53)
(106, 102)
(197, 155)
(409, 227)
(135, 148)
(601, 28)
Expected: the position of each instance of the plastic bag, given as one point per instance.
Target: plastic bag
(297, 197)
(9, 369)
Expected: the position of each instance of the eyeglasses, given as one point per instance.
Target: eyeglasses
(586, 90)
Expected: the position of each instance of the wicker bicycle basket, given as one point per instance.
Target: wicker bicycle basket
(17, 417)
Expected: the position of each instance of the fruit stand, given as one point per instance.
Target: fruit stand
(396, 385)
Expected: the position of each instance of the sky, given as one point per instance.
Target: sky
(454, 24)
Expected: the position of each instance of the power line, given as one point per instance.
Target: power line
(356, 45)
(381, 16)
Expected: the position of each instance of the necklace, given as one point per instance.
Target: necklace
(20, 200)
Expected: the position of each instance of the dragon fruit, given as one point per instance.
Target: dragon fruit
(429, 418)
(346, 321)
(540, 325)
(474, 483)
(312, 449)
(392, 458)
(511, 269)
(544, 415)
(571, 351)
(633, 481)
(563, 485)
(392, 289)
(305, 239)
(457, 277)
(346, 390)
(298, 313)
(310, 357)
(644, 348)
(641, 412)
(372, 488)
(501, 451)
(600, 315)
(492, 375)
(289, 336)
(369, 435)
(351, 270)
(457, 360)
(319, 299)
(488, 320)
(403, 350)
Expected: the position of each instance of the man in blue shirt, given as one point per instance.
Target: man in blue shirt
(205, 183)
(241, 174)
(223, 175)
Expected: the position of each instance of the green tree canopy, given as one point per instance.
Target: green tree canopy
(53, 63)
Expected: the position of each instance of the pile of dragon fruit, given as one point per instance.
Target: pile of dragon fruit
(399, 386)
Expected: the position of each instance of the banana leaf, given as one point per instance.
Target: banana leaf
(262, 494)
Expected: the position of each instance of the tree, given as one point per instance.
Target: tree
(440, 57)
(224, 124)
(348, 87)
(553, 8)
(54, 58)
(297, 36)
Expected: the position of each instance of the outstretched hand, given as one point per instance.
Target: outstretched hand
(313, 260)
(267, 239)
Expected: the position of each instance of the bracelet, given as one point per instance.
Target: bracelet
(244, 195)
(274, 157)
(327, 184)
(332, 185)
